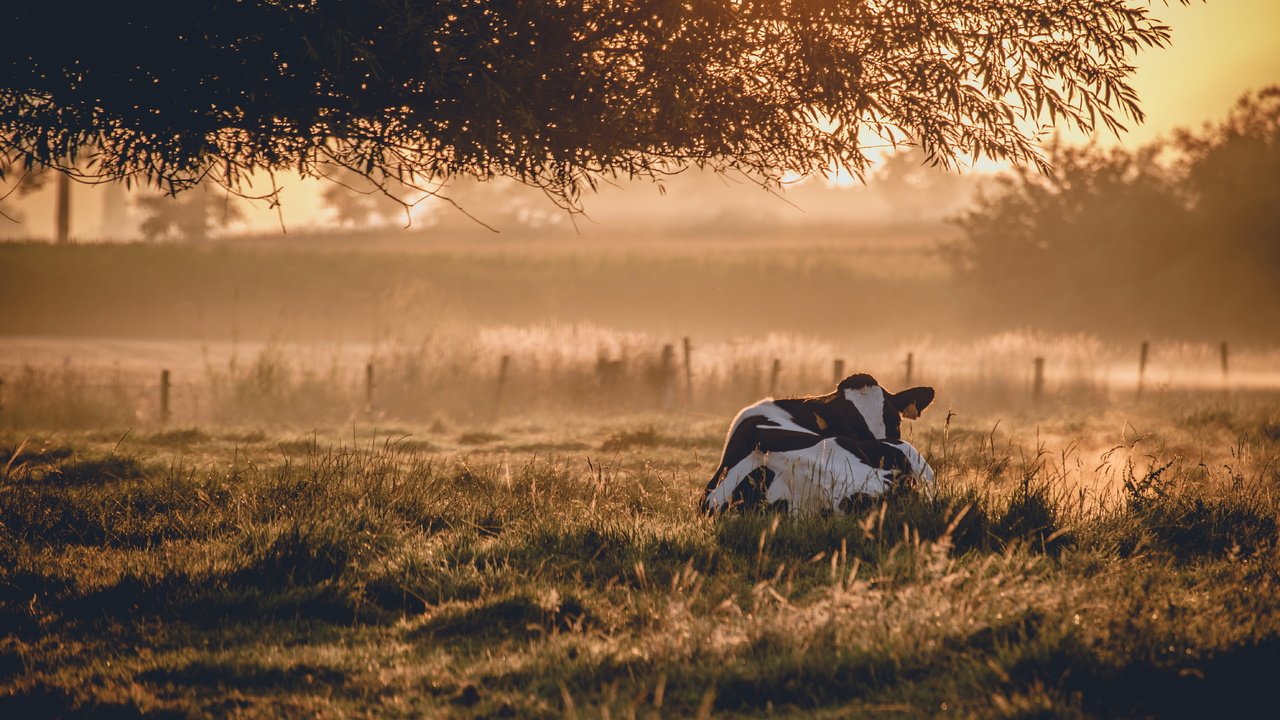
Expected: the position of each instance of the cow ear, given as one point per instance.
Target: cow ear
(910, 403)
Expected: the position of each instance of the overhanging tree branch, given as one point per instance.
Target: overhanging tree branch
(553, 94)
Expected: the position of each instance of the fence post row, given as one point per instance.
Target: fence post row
(669, 376)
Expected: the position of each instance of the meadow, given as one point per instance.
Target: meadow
(1077, 559)
(500, 520)
(344, 289)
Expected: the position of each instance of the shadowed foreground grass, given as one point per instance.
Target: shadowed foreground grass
(191, 573)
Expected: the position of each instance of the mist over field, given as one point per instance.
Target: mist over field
(638, 360)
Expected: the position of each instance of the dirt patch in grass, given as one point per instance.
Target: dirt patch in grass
(478, 437)
(99, 471)
(516, 617)
(178, 438)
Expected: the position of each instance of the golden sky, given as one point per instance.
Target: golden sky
(1221, 49)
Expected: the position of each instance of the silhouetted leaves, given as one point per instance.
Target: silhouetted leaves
(557, 95)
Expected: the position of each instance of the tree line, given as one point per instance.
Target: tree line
(1180, 236)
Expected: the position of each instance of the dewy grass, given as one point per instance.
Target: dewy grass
(1054, 572)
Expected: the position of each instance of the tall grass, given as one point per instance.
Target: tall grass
(373, 576)
(564, 370)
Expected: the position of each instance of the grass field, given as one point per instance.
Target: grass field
(354, 290)
(503, 524)
(1092, 559)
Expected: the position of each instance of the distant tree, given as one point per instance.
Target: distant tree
(1068, 243)
(917, 190)
(1233, 178)
(554, 94)
(1181, 235)
(32, 179)
(23, 185)
(188, 217)
(499, 204)
(355, 203)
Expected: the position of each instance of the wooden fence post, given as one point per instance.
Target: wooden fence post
(1142, 365)
(911, 361)
(1037, 388)
(502, 383)
(688, 370)
(837, 370)
(164, 396)
(773, 377)
(1226, 385)
(368, 387)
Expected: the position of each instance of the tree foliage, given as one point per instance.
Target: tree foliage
(914, 189)
(1182, 235)
(189, 217)
(556, 94)
(358, 206)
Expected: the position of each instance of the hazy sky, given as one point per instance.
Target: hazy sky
(1221, 48)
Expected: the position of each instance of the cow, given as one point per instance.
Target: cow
(821, 452)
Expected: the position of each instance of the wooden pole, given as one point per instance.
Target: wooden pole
(688, 370)
(62, 213)
(164, 396)
(1142, 365)
(911, 361)
(773, 377)
(502, 383)
(837, 370)
(368, 387)
(1225, 367)
(1037, 388)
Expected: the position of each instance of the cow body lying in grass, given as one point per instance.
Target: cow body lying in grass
(819, 453)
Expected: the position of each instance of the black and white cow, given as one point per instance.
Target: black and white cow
(816, 453)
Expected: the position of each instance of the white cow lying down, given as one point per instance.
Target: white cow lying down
(824, 477)
(820, 452)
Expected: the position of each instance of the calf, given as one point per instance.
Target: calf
(809, 451)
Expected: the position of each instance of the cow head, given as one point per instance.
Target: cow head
(883, 411)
